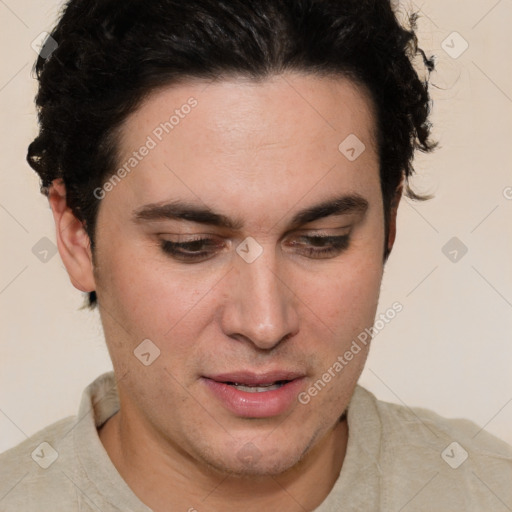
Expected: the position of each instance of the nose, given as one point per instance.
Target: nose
(261, 307)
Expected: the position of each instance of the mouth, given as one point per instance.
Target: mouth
(256, 382)
(258, 388)
(253, 395)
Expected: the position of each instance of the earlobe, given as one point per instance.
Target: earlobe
(72, 240)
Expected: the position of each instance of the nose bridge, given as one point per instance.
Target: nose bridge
(262, 304)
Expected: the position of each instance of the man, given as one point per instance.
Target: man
(224, 179)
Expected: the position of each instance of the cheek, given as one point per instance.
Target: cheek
(147, 302)
(343, 312)
(159, 300)
(345, 296)
(359, 288)
(344, 302)
(147, 297)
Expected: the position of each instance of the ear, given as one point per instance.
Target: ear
(72, 240)
(392, 216)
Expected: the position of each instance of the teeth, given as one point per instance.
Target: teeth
(257, 389)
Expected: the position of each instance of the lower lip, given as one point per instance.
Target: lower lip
(256, 405)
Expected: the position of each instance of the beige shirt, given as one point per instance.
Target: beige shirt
(397, 459)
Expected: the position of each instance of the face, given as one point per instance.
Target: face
(249, 250)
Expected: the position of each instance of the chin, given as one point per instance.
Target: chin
(250, 461)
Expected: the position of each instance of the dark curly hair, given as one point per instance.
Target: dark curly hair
(110, 55)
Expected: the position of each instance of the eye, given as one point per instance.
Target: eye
(201, 248)
(194, 249)
(321, 246)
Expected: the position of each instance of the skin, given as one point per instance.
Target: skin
(259, 153)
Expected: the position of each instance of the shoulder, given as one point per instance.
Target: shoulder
(34, 473)
(451, 461)
(424, 427)
(65, 466)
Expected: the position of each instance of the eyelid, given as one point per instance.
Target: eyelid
(300, 240)
(314, 232)
(183, 254)
(184, 238)
(326, 231)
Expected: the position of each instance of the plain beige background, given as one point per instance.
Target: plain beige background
(449, 349)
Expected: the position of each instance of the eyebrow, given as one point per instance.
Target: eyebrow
(183, 210)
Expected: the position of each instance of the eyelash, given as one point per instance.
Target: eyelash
(175, 249)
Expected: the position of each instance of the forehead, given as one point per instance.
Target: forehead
(247, 112)
(232, 138)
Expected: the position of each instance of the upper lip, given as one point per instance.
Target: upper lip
(255, 379)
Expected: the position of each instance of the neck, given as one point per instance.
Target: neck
(164, 478)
